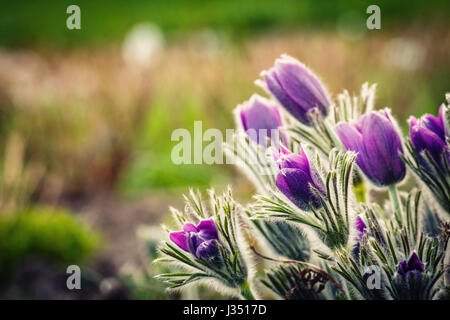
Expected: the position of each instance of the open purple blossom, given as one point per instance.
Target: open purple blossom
(376, 140)
(260, 118)
(201, 240)
(428, 134)
(412, 267)
(297, 177)
(296, 88)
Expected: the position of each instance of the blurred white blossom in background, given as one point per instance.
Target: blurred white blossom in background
(143, 44)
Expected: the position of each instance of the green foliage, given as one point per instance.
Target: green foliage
(153, 167)
(53, 235)
(153, 171)
(44, 21)
(392, 241)
(434, 178)
(284, 238)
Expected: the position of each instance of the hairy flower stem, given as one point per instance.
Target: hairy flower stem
(395, 199)
(246, 292)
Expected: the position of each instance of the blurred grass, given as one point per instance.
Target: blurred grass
(43, 22)
(153, 167)
(50, 234)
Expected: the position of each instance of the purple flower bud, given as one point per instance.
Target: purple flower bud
(207, 250)
(361, 228)
(260, 118)
(412, 267)
(296, 88)
(428, 134)
(296, 178)
(376, 140)
(199, 240)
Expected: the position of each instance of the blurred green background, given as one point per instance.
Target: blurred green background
(86, 115)
(31, 22)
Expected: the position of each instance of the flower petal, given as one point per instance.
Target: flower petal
(301, 85)
(434, 124)
(207, 230)
(361, 227)
(207, 250)
(296, 184)
(414, 263)
(442, 111)
(295, 161)
(424, 139)
(351, 137)
(260, 114)
(189, 227)
(180, 239)
(284, 99)
(402, 268)
(381, 150)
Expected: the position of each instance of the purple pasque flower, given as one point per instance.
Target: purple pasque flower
(201, 240)
(412, 267)
(296, 88)
(428, 134)
(361, 228)
(297, 177)
(375, 138)
(260, 118)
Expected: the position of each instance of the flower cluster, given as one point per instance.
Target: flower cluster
(311, 215)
